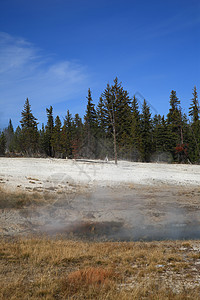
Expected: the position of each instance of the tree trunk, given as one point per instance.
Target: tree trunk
(181, 136)
(115, 144)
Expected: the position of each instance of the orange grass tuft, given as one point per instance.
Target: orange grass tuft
(91, 276)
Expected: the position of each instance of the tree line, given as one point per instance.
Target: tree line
(117, 128)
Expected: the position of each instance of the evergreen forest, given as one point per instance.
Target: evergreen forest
(118, 127)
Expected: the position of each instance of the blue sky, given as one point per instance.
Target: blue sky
(52, 51)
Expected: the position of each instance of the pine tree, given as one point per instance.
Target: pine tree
(135, 129)
(90, 128)
(123, 119)
(77, 126)
(109, 101)
(194, 107)
(101, 120)
(104, 140)
(184, 153)
(118, 116)
(105, 144)
(28, 120)
(174, 108)
(10, 127)
(174, 121)
(67, 135)
(77, 137)
(56, 138)
(49, 132)
(2, 143)
(18, 140)
(91, 115)
(42, 141)
(161, 146)
(194, 113)
(146, 133)
(29, 130)
(9, 134)
(157, 145)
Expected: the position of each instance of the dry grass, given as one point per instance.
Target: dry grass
(20, 199)
(40, 268)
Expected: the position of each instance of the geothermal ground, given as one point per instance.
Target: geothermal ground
(77, 229)
(99, 200)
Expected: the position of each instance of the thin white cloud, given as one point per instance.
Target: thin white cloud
(14, 54)
(174, 24)
(26, 72)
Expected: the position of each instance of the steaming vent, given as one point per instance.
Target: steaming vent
(88, 230)
(105, 213)
(118, 231)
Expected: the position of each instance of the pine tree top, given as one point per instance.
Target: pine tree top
(50, 119)
(10, 126)
(28, 120)
(91, 114)
(194, 110)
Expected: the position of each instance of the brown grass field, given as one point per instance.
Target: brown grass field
(42, 268)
